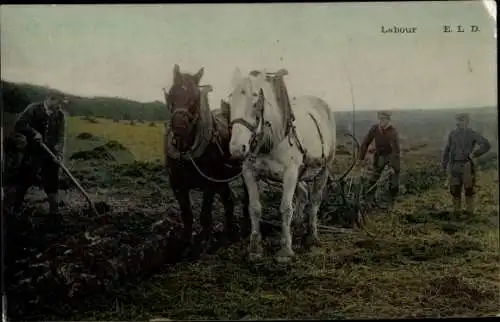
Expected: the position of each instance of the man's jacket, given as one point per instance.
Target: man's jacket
(386, 144)
(52, 127)
(461, 144)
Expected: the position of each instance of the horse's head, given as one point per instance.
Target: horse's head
(183, 101)
(246, 104)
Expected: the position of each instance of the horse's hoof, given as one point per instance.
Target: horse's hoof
(187, 252)
(205, 245)
(359, 220)
(254, 256)
(244, 234)
(255, 245)
(224, 241)
(245, 230)
(186, 248)
(283, 259)
(311, 241)
(284, 255)
(230, 236)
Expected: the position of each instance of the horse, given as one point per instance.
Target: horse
(196, 151)
(292, 142)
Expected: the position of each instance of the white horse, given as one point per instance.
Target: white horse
(303, 155)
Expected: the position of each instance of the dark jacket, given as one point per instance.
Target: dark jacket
(386, 144)
(461, 144)
(52, 128)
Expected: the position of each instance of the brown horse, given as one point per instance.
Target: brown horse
(196, 148)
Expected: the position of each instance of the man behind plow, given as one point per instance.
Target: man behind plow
(40, 123)
(387, 152)
(458, 160)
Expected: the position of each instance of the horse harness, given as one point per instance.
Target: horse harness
(257, 139)
(200, 144)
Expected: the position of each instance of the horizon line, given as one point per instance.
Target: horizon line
(336, 110)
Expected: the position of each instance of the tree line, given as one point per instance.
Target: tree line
(16, 96)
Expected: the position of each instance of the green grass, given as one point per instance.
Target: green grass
(144, 142)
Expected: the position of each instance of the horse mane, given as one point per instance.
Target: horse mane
(204, 124)
(267, 141)
(278, 88)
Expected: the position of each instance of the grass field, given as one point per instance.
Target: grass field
(421, 262)
(144, 141)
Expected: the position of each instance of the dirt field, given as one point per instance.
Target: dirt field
(126, 264)
(423, 262)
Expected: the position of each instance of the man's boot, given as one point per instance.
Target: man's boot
(53, 203)
(54, 219)
(18, 195)
(457, 205)
(394, 194)
(469, 205)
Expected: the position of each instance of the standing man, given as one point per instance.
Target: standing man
(42, 122)
(458, 159)
(386, 153)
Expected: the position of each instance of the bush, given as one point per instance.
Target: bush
(85, 136)
(90, 119)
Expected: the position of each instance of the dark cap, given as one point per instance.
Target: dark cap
(462, 117)
(385, 114)
(57, 97)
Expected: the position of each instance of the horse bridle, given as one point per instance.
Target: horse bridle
(193, 118)
(256, 139)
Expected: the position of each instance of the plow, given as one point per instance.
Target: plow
(349, 193)
(353, 203)
(350, 207)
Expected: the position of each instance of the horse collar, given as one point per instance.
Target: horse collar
(204, 134)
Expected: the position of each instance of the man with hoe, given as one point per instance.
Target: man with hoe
(458, 160)
(386, 153)
(40, 123)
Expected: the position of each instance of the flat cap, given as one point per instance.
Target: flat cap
(56, 96)
(462, 116)
(385, 114)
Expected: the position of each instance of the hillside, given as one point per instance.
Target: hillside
(414, 126)
(16, 96)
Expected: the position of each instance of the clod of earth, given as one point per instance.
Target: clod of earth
(103, 152)
(85, 136)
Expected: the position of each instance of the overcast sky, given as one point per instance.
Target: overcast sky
(130, 50)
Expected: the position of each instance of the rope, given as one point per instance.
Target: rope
(210, 178)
